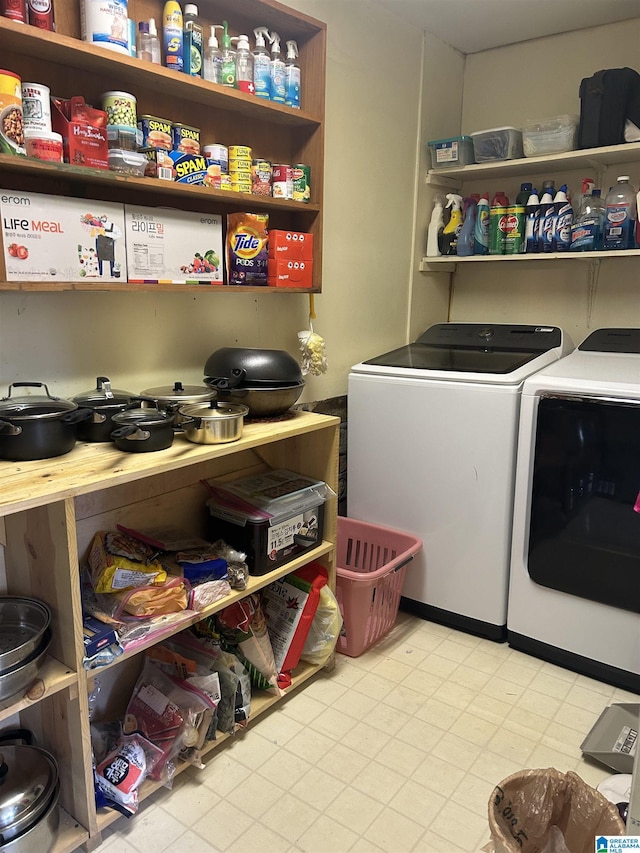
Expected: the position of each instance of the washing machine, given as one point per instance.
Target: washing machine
(432, 430)
(574, 596)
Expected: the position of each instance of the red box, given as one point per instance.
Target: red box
(83, 131)
(291, 245)
(291, 273)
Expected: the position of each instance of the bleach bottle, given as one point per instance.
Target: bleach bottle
(561, 237)
(546, 222)
(481, 232)
(531, 222)
(620, 216)
(467, 233)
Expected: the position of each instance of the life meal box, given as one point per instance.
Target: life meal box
(550, 135)
(271, 517)
(498, 143)
(447, 153)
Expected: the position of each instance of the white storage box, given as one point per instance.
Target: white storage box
(451, 152)
(550, 135)
(498, 143)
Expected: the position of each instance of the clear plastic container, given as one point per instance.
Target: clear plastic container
(127, 162)
(498, 143)
(550, 135)
(451, 152)
(123, 137)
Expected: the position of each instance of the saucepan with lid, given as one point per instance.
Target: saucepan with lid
(144, 427)
(105, 402)
(213, 422)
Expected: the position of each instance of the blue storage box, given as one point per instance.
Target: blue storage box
(450, 153)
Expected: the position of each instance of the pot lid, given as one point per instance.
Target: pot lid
(103, 395)
(139, 416)
(214, 410)
(270, 365)
(33, 405)
(28, 778)
(179, 393)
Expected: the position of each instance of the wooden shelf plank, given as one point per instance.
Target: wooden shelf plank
(70, 834)
(55, 677)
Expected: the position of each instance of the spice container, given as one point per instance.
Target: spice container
(44, 145)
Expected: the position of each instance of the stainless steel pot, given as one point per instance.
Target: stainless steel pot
(14, 679)
(214, 422)
(29, 788)
(179, 394)
(23, 622)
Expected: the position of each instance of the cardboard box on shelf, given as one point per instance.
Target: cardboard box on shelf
(83, 130)
(290, 245)
(167, 246)
(51, 238)
(290, 273)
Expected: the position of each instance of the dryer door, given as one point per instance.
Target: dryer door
(585, 509)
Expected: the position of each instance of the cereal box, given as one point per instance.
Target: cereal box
(51, 238)
(166, 246)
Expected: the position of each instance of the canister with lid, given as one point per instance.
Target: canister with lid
(12, 126)
(120, 108)
(36, 107)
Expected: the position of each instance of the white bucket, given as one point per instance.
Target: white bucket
(105, 24)
(36, 107)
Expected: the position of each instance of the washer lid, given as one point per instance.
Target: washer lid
(473, 348)
(612, 340)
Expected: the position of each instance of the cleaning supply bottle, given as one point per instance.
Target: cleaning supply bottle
(532, 219)
(228, 58)
(154, 42)
(261, 64)
(143, 44)
(466, 238)
(277, 70)
(292, 77)
(561, 236)
(481, 232)
(193, 41)
(586, 232)
(212, 68)
(546, 221)
(244, 65)
(453, 227)
(172, 36)
(497, 223)
(523, 195)
(620, 216)
(436, 224)
(514, 228)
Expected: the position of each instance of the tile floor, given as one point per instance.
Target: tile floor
(397, 750)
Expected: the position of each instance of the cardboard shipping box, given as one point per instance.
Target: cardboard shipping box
(166, 246)
(52, 238)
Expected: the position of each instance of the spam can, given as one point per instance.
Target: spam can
(282, 186)
(302, 182)
(156, 132)
(185, 138)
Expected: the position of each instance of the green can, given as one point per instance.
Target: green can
(302, 182)
(514, 232)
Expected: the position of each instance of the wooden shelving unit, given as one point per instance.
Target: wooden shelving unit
(276, 133)
(49, 512)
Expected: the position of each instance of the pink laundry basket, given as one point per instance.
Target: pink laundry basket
(371, 565)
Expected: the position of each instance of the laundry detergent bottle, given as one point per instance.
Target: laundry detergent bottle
(620, 216)
(481, 231)
(453, 227)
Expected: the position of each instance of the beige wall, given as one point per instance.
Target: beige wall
(532, 80)
(140, 340)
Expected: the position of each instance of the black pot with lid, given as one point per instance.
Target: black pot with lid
(252, 367)
(38, 426)
(143, 426)
(105, 402)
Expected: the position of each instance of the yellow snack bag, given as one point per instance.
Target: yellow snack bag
(114, 573)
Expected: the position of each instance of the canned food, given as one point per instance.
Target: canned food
(241, 186)
(239, 152)
(44, 145)
(213, 176)
(120, 108)
(156, 132)
(185, 138)
(240, 177)
(282, 186)
(261, 176)
(302, 182)
(41, 14)
(159, 164)
(11, 120)
(15, 10)
(217, 154)
(36, 107)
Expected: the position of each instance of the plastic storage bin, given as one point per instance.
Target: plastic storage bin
(371, 565)
(550, 135)
(498, 143)
(448, 153)
(127, 162)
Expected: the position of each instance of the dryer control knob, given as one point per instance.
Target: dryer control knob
(486, 334)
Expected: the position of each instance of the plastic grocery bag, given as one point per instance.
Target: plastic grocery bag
(534, 811)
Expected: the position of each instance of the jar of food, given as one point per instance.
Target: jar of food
(44, 145)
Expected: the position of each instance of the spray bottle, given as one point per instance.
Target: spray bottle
(561, 237)
(261, 65)
(244, 65)
(277, 71)
(481, 233)
(213, 58)
(531, 222)
(454, 225)
(154, 42)
(193, 41)
(466, 238)
(435, 226)
(228, 58)
(292, 77)
(172, 36)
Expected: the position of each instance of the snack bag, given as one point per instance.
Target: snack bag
(247, 254)
(113, 572)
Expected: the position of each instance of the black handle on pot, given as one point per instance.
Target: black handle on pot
(126, 431)
(78, 416)
(185, 421)
(237, 376)
(10, 735)
(133, 402)
(7, 428)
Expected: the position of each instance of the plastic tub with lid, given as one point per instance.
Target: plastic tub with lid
(550, 135)
(497, 143)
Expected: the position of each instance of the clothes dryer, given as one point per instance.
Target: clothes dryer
(574, 594)
(432, 432)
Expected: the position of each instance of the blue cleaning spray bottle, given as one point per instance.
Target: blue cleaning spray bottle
(261, 65)
(481, 231)
(467, 234)
(292, 77)
(277, 71)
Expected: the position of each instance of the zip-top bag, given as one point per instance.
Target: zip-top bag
(609, 100)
